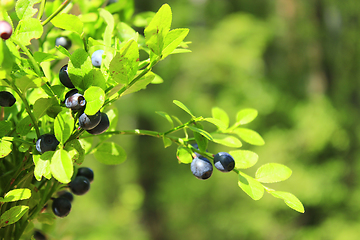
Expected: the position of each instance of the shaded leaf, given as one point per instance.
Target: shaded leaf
(12, 215)
(110, 153)
(183, 107)
(167, 117)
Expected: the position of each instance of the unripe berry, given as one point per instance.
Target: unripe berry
(201, 168)
(61, 207)
(64, 77)
(5, 30)
(6, 99)
(80, 185)
(224, 162)
(96, 58)
(46, 142)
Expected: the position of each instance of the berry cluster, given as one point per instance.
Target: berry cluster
(202, 168)
(80, 185)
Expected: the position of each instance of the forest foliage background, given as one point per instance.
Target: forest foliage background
(297, 63)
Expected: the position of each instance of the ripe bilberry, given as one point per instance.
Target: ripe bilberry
(64, 77)
(102, 126)
(6, 99)
(88, 122)
(224, 162)
(86, 172)
(96, 58)
(80, 185)
(75, 101)
(46, 142)
(61, 206)
(65, 42)
(201, 168)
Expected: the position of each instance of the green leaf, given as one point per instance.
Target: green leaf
(173, 39)
(218, 123)
(24, 8)
(42, 105)
(244, 158)
(68, 22)
(95, 98)
(167, 142)
(28, 29)
(42, 165)
(183, 107)
(140, 84)
(5, 148)
(63, 125)
(24, 126)
(63, 51)
(226, 140)
(221, 115)
(6, 58)
(44, 57)
(76, 144)
(13, 215)
(5, 127)
(167, 117)
(183, 155)
(158, 28)
(98, 79)
(16, 195)
(157, 80)
(290, 200)
(80, 69)
(272, 172)
(202, 132)
(246, 115)
(201, 141)
(26, 82)
(110, 153)
(250, 186)
(249, 136)
(61, 166)
(124, 65)
(109, 19)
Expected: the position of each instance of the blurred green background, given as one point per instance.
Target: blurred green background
(298, 64)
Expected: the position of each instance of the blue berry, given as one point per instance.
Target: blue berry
(88, 122)
(75, 101)
(224, 162)
(6, 99)
(65, 42)
(61, 207)
(67, 195)
(201, 168)
(80, 185)
(102, 126)
(46, 142)
(96, 58)
(64, 77)
(86, 172)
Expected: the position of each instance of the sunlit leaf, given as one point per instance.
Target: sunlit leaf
(183, 107)
(16, 195)
(12, 215)
(249, 136)
(290, 199)
(68, 22)
(246, 115)
(221, 115)
(95, 98)
(226, 140)
(250, 186)
(110, 153)
(61, 166)
(183, 155)
(272, 172)
(244, 158)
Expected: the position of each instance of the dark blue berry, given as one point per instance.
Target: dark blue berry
(201, 168)
(61, 207)
(6, 99)
(5, 30)
(39, 235)
(224, 162)
(88, 122)
(102, 126)
(65, 42)
(86, 172)
(46, 142)
(80, 185)
(64, 77)
(67, 195)
(96, 58)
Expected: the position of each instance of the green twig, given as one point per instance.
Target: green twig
(54, 14)
(41, 9)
